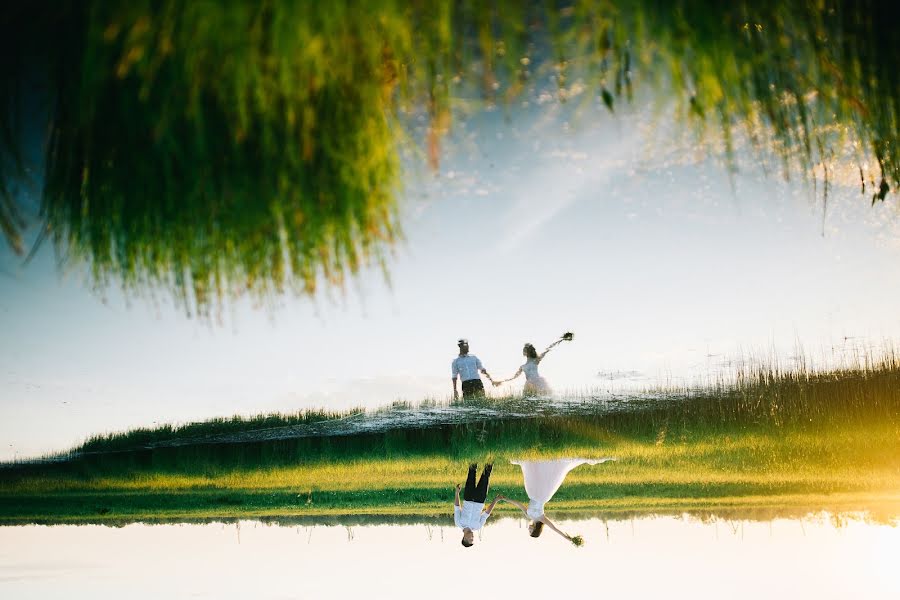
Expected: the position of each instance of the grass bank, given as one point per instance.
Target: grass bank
(769, 438)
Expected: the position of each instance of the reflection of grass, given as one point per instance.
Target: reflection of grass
(224, 148)
(843, 459)
(817, 440)
(838, 509)
(845, 467)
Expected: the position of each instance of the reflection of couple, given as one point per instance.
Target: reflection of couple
(467, 368)
(542, 480)
(471, 514)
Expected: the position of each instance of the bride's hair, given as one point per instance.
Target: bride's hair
(536, 528)
(530, 352)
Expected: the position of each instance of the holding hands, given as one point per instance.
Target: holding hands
(496, 383)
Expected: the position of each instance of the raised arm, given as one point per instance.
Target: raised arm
(550, 347)
(550, 524)
(519, 372)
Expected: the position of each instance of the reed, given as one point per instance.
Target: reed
(765, 394)
(198, 431)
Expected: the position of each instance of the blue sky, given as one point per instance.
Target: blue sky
(611, 227)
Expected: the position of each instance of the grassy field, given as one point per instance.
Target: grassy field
(768, 439)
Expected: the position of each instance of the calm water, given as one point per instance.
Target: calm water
(821, 556)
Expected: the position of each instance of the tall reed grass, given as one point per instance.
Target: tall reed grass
(768, 392)
(765, 399)
(198, 431)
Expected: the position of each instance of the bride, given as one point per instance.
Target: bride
(535, 385)
(542, 479)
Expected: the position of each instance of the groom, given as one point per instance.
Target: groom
(471, 514)
(466, 366)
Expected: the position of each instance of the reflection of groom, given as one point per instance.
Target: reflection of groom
(470, 515)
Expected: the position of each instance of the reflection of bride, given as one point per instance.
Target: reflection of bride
(542, 479)
(535, 385)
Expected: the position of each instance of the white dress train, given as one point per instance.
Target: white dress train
(543, 478)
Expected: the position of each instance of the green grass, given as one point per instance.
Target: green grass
(220, 149)
(851, 467)
(143, 437)
(768, 439)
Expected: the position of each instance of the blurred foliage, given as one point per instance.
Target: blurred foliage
(223, 148)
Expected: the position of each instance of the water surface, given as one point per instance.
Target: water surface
(818, 556)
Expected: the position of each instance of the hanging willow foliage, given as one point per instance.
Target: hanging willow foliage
(248, 147)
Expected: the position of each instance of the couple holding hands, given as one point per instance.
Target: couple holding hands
(542, 479)
(467, 367)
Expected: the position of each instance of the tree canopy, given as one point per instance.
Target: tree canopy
(217, 149)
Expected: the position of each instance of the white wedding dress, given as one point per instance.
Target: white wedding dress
(543, 478)
(535, 385)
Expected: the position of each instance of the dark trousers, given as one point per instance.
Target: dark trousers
(477, 493)
(472, 388)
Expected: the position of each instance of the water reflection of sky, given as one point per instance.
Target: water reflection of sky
(641, 558)
(613, 228)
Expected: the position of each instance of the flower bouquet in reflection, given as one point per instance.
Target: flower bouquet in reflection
(577, 540)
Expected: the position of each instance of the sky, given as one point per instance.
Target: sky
(539, 221)
(785, 558)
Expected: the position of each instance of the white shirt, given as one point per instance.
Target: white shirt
(470, 515)
(467, 367)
